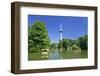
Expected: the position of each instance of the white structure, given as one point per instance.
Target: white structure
(61, 30)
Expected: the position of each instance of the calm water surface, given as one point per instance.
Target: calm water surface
(56, 54)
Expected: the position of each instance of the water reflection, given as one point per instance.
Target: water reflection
(57, 54)
(65, 54)
(54, 54)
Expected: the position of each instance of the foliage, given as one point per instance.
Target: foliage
(75, 47)
(83, 42)
(69, 48)
(53, 45)
(65, 43)
(59, 44)
(38, 36)
(80, 43)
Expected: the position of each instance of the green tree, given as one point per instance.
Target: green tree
(83, 42)
(80, 43)
(60, 44)
(53, 45)
(66, 43)
(38, 36)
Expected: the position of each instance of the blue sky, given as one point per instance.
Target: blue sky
(73, 27)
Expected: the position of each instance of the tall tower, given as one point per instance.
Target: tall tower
(61, 30)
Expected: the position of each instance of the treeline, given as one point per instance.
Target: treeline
(68, 44)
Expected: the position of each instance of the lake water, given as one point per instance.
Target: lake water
(56, 54)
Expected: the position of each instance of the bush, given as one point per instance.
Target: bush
(69, 48)
(75, 47)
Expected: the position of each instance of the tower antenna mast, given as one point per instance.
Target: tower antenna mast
(61, 31)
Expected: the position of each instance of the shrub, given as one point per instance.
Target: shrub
(69, 48)
(75, 47)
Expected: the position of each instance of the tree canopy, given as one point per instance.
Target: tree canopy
(38, 36)
(79, 43)
(83, 42)
(53, 45)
